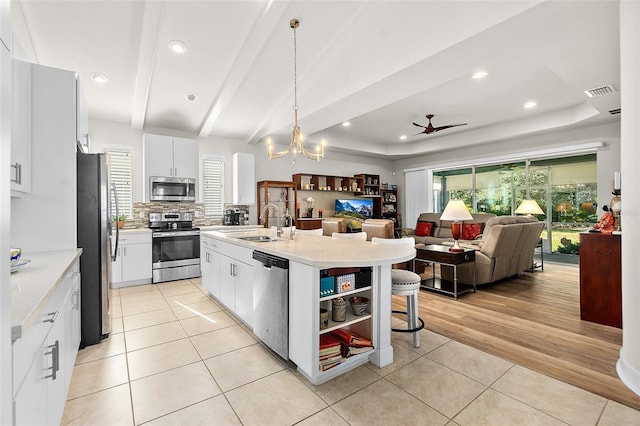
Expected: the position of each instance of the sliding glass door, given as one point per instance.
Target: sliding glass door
(564, 188)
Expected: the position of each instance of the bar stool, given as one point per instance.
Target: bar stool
(405, 283)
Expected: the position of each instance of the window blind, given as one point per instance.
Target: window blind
(120, 174)
(213, 187)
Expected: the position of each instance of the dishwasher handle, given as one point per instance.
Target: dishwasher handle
(269, 260)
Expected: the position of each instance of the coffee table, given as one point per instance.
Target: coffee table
(439, 254)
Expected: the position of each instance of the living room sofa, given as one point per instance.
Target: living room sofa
(504, 249)
(440, 231)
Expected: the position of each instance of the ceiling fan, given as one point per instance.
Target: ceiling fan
(430, 129)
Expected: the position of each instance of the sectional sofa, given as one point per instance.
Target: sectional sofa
(504, 248)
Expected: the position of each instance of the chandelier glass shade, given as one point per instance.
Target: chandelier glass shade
(296, 145)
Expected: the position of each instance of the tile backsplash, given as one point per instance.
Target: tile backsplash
(141, 211)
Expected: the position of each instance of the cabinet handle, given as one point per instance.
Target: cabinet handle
(170, 171)
(175, 171)
(18, 168)
(52, 317)
(55, 360)
(76, 304)
(124, 249)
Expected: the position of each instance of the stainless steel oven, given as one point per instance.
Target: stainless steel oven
(175, 246)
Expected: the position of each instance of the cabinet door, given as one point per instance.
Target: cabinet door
(136, 262)
(21, 127)
(227, 282)
(56, 385)
(82, 118)
(244, 178)
(72, 327)
(158, 156)
(31, 400)
(244, 292)
(185, 158)
(210, 267)
(116, 267)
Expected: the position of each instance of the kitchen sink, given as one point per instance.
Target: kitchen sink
(260, 238)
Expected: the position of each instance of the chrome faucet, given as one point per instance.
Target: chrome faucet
(278, 222)
(292, 228)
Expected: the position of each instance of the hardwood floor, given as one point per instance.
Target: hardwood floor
(534, 321)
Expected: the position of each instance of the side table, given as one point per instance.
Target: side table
(441, 255)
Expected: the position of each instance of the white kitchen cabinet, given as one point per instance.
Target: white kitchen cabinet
(210, 265)
(44, 356)
(244, 178)
(168, 156)
(133, 261)
(236, 289)
(53, 165)
(21, 128)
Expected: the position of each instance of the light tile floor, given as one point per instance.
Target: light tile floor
(176, 357)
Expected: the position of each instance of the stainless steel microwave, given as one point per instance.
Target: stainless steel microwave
(172, 189)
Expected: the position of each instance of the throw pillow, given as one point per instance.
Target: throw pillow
(471, 230)
(423, 229)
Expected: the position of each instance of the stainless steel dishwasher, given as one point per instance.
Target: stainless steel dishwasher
(271, 301)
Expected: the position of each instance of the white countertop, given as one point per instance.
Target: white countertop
(132, 231)
(34, 282)
(320, 251)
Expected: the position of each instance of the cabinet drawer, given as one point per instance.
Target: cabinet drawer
(135, 238)
(210, 243)
(242, 254)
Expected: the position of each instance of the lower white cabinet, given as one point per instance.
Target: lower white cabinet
(228, 277)
(236, 287)
(45, 355)
(210, 265)
(133, 260)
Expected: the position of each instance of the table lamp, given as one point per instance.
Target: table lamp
(529, 207)
(456, 211)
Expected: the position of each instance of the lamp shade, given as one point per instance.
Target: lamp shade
(529, 207)
(456, 211)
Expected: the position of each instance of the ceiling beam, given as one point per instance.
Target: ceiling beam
(153, 12)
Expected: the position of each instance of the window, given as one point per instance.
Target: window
(213, 186)
(119, 162)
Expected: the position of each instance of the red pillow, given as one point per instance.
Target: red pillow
(423, 229)
(471, 230)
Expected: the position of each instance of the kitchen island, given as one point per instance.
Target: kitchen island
(228, 258)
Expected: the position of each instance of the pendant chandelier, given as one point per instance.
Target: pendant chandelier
(297, 138)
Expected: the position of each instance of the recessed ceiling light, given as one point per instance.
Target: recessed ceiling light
(177, 46)
(403, 137)
(99, 78)
(192, 97)
(346, 124)
(530, 104)
(478, 75)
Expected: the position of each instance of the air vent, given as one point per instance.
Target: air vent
(614, 111)
(599, 91)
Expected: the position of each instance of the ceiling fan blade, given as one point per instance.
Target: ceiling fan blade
(419, 125)
(437, 129)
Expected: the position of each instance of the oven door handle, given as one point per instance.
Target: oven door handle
(174, 234)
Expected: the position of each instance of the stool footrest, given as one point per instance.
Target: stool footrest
(412, 330)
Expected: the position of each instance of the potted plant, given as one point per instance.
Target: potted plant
(120, 219)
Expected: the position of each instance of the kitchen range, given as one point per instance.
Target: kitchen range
(175, 246)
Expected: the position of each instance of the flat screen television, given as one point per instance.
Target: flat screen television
(357, 208)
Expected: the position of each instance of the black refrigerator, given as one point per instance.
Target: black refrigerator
(94, 237)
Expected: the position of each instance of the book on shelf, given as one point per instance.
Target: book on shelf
(348, 351)
(327, 340)
(350, 338)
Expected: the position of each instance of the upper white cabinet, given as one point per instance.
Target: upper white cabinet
(54, 117)
(168, 156)
(244, 178)
(82, 119)
(21, 127)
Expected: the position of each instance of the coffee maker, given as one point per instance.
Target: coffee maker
(231, 217)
